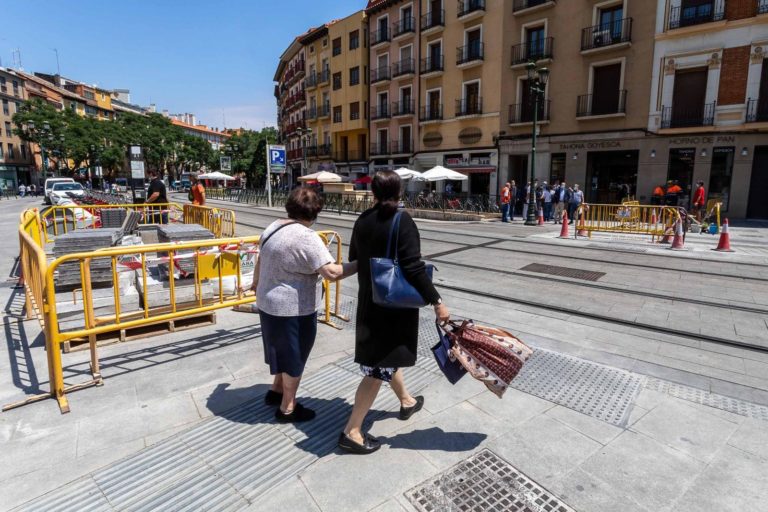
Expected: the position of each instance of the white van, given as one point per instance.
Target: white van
(49, 183)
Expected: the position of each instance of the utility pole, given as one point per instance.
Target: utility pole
(58, 67)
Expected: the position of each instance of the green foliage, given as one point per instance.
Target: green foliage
(248, 150)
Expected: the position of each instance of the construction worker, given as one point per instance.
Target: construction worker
(506, 198)
(197, 192)
(673, 193)
(699, 200)
(658, 195)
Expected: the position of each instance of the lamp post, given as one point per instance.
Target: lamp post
(537, 81)
(304, 134)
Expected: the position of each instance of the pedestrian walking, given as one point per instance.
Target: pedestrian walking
(699, 201)
(157, 195)
(291, 257)
(673, 192)
(505, 201)
(32, 190)
(197, 192)
(561, 198)
(547, 197)
(658, 195)
(513, 200)
(22, 190)
(385, 338)
(577, 197)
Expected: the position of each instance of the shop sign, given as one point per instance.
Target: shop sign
(724, 139)
(608, 144)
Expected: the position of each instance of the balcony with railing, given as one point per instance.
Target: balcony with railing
(323, 150)
(523, 5)
(591, 105)
(311, 81)
(688, 16)
(403, 68)
(399, 147)
(432, 65)
(324, 77)
(379, 149)
(380, 74)
(403, 26)
(607, 35)
(532, 51)
(470, 8)
(762, 6)
(757, 110)
(312, 113)
(351, 155)
(324, 111)
(380, 36)
(431, 113)
(402, 108)
(470, 54)
(522, 113)
(434, 20)
(469, 107)
(688, 117)
(379, 112)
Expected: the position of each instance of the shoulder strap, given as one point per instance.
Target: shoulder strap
(275, 231)
(394, 231)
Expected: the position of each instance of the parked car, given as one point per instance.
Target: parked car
(48, 187)
(62, 192)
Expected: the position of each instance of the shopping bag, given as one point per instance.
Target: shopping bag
(451, 368)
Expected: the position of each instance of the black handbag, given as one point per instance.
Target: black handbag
(451, 368)
(390, 287)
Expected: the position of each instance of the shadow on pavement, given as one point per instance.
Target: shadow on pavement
(435, 439)
(22, 366)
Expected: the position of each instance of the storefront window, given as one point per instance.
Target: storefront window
(557, 168)
(681, 171)
(720, 176)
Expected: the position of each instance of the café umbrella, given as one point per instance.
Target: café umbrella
(408, 174)
(322, 177)
(440, 173)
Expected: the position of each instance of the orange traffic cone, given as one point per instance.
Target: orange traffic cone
(677, 241)
(564, 228)
(541, 217)
(724, 245)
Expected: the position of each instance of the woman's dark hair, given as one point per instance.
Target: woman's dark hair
(386, 189)
(304, 204)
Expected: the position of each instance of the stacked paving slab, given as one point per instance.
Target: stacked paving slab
(113, 217)
(182, 233)
(86, 240)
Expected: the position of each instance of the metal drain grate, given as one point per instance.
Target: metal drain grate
(485, 481)
(574, 273)
(595, 390)
(699, 396)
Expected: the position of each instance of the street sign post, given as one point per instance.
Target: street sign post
(136, 159)
(225, 162)
(275, 165)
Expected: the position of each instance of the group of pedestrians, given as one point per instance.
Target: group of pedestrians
(27, 190)
(550, 200)
(292, 261)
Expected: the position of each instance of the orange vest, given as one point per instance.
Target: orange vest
(658, 191)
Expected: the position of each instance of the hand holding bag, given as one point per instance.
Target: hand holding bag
(448, 364)
(390, 287)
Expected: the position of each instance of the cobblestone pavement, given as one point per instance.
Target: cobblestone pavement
(605, 417)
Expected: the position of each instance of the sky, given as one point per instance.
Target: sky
(212, 58)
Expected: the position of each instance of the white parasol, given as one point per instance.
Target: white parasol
(216, 175)
(408, 174)
(440, 173)
(322, 177)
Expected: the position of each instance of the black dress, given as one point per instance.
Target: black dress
(387, 337)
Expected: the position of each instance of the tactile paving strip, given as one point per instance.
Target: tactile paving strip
(699, 396)
(595, 390)
(553, 270)
(483, 482)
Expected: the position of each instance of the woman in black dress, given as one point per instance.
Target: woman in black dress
(386, 338)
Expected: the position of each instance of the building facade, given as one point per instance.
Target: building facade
(16, 160)
(292, 107)
(215, 138)
(318, 140)
(709, 101)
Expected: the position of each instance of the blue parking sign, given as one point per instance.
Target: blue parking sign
(276, 156)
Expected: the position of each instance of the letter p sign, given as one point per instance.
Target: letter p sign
(277, 156)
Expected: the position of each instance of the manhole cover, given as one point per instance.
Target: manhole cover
(575, 273)
(483, 482)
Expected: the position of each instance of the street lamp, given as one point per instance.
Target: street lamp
(537, 81)
(304, 134)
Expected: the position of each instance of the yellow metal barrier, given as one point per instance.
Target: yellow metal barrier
(330, 238)
(713, 210)
(220, 222)
(33, 263)
(627, 219)
(40, 284)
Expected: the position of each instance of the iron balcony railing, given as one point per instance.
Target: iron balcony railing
(380, 36)
(432, 65)
(403, 26)
(325, 76)
(398, 147)
(469, 6)
(696, 15)
(380, 74)
(679, 117)
(431, 113)
(434, 19)
(380, 112)
(402, 108)
(469, 107)
(762, 6)
(591, 105)
(403, 67)
(311, 80)
(379, 149)
(351, 155)
(469, 53)
(606, 34)
(757, 110)
(312, 113)
(323, 150)
(523, 112)
(324, 111)
(519, 5)
(532, 51)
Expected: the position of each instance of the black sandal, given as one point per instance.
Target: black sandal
(297, 415)
(273, 398)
